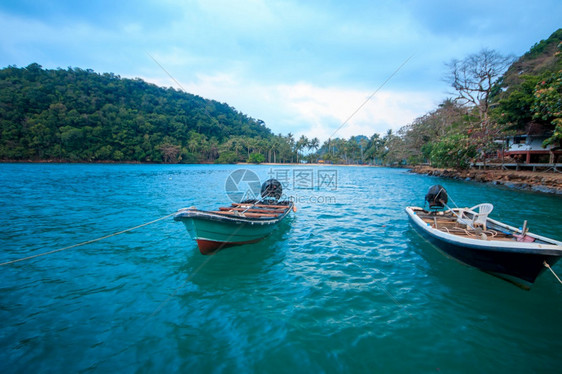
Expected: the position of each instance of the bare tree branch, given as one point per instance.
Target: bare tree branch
(474, 77)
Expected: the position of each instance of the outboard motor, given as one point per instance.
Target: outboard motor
(271, 189)
(436, 197)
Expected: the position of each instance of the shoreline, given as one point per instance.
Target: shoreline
(174, 163)
(545, 182)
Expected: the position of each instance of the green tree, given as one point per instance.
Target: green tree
(453, 151)
(227, 157)
(301, 144)
(420, 136)
(547, 105)
(513, 111)
(80, 115)
(256, 158)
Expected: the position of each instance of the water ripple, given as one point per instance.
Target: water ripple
(343, 285)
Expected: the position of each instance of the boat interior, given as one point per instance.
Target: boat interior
(254, 209)
(469, 223)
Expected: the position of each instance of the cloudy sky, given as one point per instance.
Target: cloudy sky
(301, 66)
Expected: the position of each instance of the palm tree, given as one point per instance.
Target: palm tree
(291, 142)
(213, 149)
(301, 144)
(363, 143)
(314, 144)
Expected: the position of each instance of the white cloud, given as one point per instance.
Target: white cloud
(302, 67)
(305, 109)
(340, 112)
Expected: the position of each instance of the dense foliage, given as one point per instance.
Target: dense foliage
(77, 114)
(490, 106)
(530, 92)
(360, 150)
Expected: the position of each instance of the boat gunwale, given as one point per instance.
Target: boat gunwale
(554, 248)
(189, 213)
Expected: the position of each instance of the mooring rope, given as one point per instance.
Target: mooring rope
(552, 271)
(86, 242)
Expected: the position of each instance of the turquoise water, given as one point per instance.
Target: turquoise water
(343, 286)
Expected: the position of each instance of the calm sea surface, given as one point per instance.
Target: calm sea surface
(343, 286)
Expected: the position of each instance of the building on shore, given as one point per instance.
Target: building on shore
(529, 149)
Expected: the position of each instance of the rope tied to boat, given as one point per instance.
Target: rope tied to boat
(449, 230)
(552, 271)
(86, 242)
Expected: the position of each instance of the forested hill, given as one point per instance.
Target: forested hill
(543, 57)
(529, 91)
(80, 115)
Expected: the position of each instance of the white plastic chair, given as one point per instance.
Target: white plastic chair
(479, 215)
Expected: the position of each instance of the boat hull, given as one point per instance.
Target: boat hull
(519, 263)
(213, 232)
(214, 235)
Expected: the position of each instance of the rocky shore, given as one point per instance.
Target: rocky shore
(548, 182)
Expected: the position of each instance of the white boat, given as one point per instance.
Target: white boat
(470, 236)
